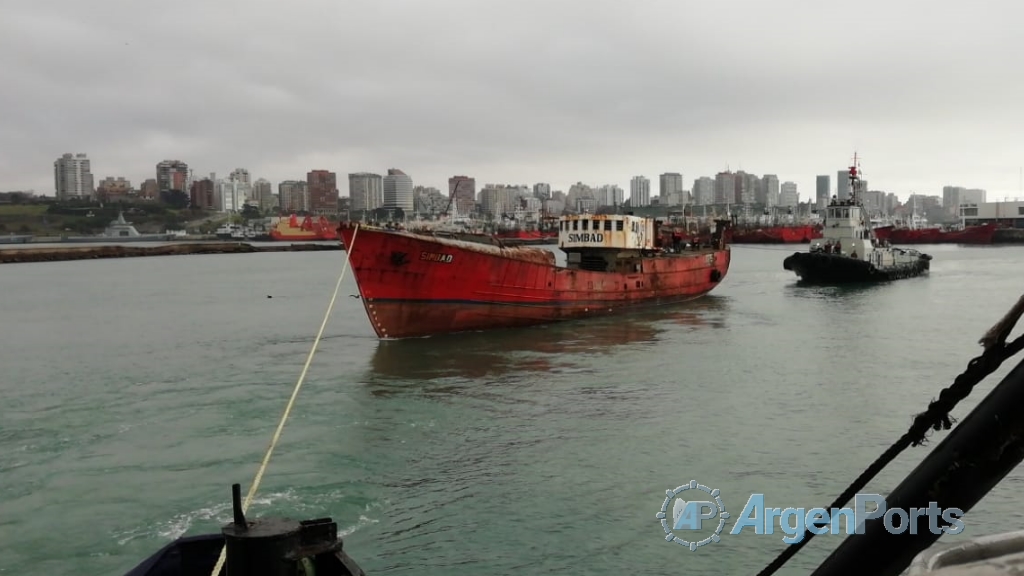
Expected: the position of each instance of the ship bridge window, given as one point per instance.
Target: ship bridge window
(607, 225)
(846, 212)
(584, 224)
(974, 211)
(575, 224)
(618, 225)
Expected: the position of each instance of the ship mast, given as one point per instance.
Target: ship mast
(854, 179)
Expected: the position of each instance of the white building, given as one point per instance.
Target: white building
(670, 189)
(843, 184)
(640, 191)
(293, 196)
(497, 200)
(263, 192)
(241, 175)
(398, 191)
(1011, 213)
(789, 197)
(72, 177)
(771, 190)
(365, 191)
(231, 195)
(703, 191)
(542, 190)
(608, 195)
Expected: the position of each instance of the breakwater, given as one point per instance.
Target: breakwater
(50, 254)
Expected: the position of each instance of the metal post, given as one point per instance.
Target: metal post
(979, 452)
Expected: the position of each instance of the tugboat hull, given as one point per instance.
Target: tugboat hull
(820, 268)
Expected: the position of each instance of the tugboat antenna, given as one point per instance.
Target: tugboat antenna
(854, 178)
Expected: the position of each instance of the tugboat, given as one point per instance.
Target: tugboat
(849, 252)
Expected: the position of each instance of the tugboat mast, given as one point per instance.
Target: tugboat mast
(854, 179)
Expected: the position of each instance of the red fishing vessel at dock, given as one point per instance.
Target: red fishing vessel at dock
(796, 234)
(415, 284)
(981, 234)
(526, 234)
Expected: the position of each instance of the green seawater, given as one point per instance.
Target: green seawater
(134, 392)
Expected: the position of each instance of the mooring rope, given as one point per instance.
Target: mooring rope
(936, 417)
(295, 392)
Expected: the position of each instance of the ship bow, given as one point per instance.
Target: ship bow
(822, 268)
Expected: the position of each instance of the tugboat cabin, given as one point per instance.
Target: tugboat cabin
(845, 232)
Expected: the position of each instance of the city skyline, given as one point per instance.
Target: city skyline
(668, 184)
(524, 93)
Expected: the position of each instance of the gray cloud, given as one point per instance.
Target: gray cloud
(517, 91)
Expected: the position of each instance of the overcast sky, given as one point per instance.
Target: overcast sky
(518, 91)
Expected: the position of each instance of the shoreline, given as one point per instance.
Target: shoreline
(61, 254)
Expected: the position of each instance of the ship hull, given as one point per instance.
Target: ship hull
(413, 285)
(981, 234)
(279, 237)
(776, 235)
(830, 269)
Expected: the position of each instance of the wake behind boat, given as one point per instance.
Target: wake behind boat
(418, 284)
(849, 251)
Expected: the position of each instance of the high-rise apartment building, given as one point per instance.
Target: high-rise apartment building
(463, 190)
(323, 192)
(670, 189)
(293, 196)
(263, 192)
(640, 191)
(725, 188)
(172, 175)
(72, 177)
(703, 191)
(398, 191)
(365, 191)
(843, 184)
(770, 182)
(542, 191)
(203, 194)
(240, 175)
(788, 196)
(111, 189)
(823, 191)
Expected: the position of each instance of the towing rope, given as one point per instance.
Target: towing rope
(291, 401)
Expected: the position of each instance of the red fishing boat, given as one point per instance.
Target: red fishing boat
(415, 284)
(798, 234)
(981, 234)
(309, 229)
(519, 234)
